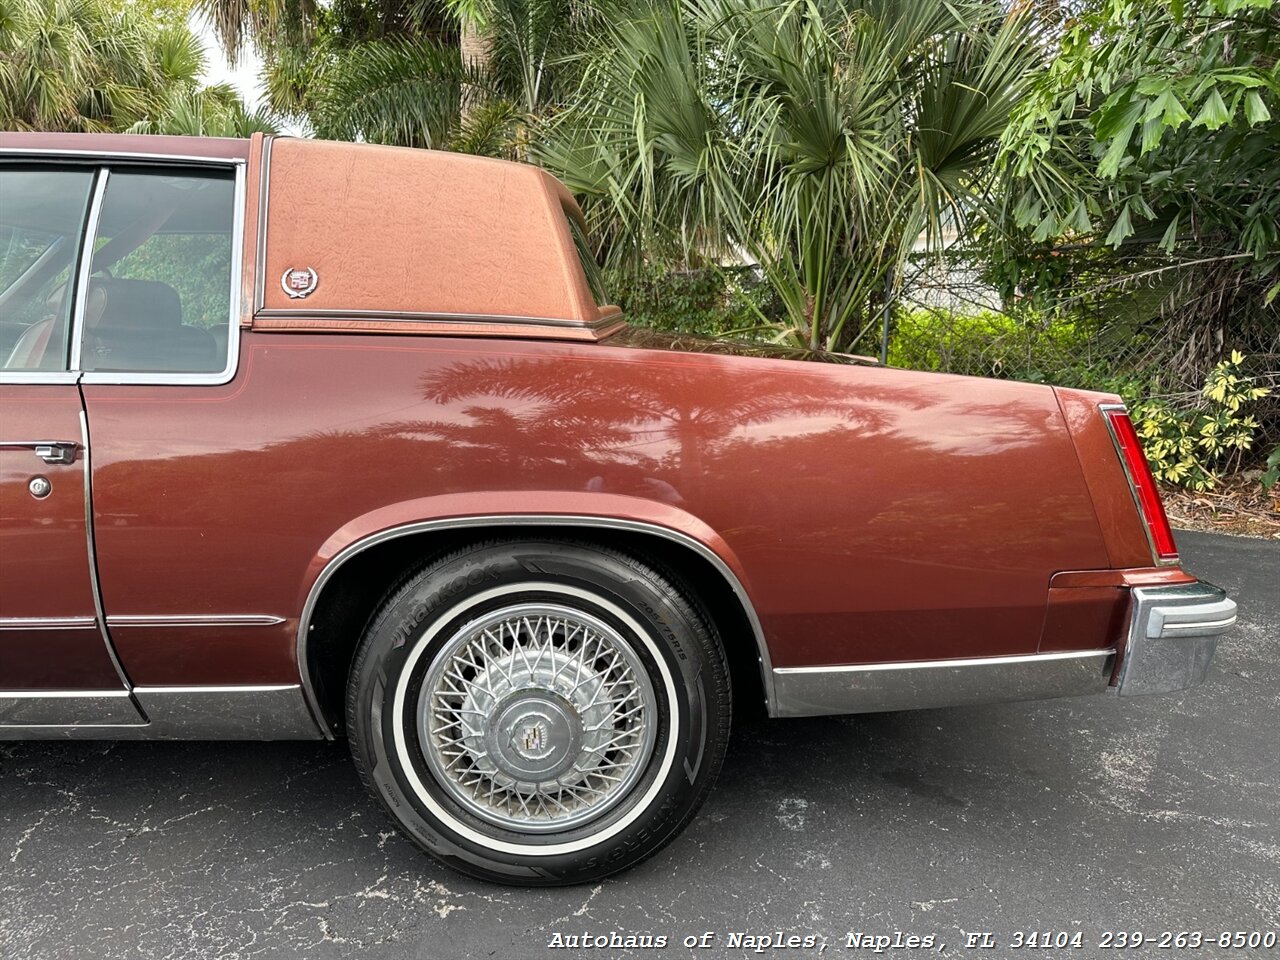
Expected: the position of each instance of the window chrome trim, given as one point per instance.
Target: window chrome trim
(46, 377)
(84, 267)
(98, 157)
(260, 253)
(161, 378)
(876, 687)
(195, 620)
(72, 373)
(522, 520)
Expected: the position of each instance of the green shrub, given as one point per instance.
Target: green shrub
(709, 301)
(1191, 447)
(1272, 474)
(1028, 346)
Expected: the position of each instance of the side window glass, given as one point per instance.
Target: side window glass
(159, 295)
(42, 215)
(595, 279)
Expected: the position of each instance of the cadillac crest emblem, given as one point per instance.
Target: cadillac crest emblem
(533, 738)
(299, 283)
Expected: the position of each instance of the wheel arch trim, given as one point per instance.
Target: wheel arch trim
(559, 520)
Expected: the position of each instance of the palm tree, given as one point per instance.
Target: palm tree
(820, 139)
(86, 65)
(526, 53)
(96, 65)
(214, 111)
(650, 417)
(469, 75)
(385, 71)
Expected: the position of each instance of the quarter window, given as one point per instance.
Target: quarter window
(595, 279)
(159, 292)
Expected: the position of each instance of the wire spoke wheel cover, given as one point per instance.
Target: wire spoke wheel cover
(537, 718)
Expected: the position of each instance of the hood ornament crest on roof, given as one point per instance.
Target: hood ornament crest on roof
(299, 283)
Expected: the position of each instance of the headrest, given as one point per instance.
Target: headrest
(131, 306)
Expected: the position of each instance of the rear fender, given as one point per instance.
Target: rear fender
(570, 511)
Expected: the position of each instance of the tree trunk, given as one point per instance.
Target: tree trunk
(476, 51)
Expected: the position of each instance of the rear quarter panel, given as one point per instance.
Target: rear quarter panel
(872, 514)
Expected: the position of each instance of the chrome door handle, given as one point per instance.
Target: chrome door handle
(50, 451)
(57, 451)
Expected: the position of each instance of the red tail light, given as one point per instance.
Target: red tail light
(1143, 484)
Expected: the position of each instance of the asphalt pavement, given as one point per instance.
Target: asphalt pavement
(1059, 818)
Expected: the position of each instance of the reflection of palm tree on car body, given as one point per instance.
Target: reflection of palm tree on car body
(664, 418)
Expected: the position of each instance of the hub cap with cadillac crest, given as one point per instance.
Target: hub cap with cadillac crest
(537, 717)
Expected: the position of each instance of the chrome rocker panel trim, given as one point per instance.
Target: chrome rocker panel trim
(876, 687)
(1173, 634)
(270, 712)
(22, 709)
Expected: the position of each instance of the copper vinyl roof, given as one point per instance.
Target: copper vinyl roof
(402, 234)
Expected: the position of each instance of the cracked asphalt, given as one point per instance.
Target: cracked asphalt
(1080, 816)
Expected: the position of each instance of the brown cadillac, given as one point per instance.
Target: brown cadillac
(317, 440)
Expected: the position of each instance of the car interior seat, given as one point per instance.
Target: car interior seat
(42, 346)
(137, 325)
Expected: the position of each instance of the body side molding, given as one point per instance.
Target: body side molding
(47, 623)
(195, 620)
(522, 520)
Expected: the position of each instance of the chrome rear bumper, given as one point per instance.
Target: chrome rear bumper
(1173, 633)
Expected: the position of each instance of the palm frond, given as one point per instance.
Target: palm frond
(820, 138)
(405, 91)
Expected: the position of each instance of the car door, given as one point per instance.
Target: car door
(57, 666)
(182, 572)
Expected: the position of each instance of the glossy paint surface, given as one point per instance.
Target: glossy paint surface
(44, 557)
(872, 514)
